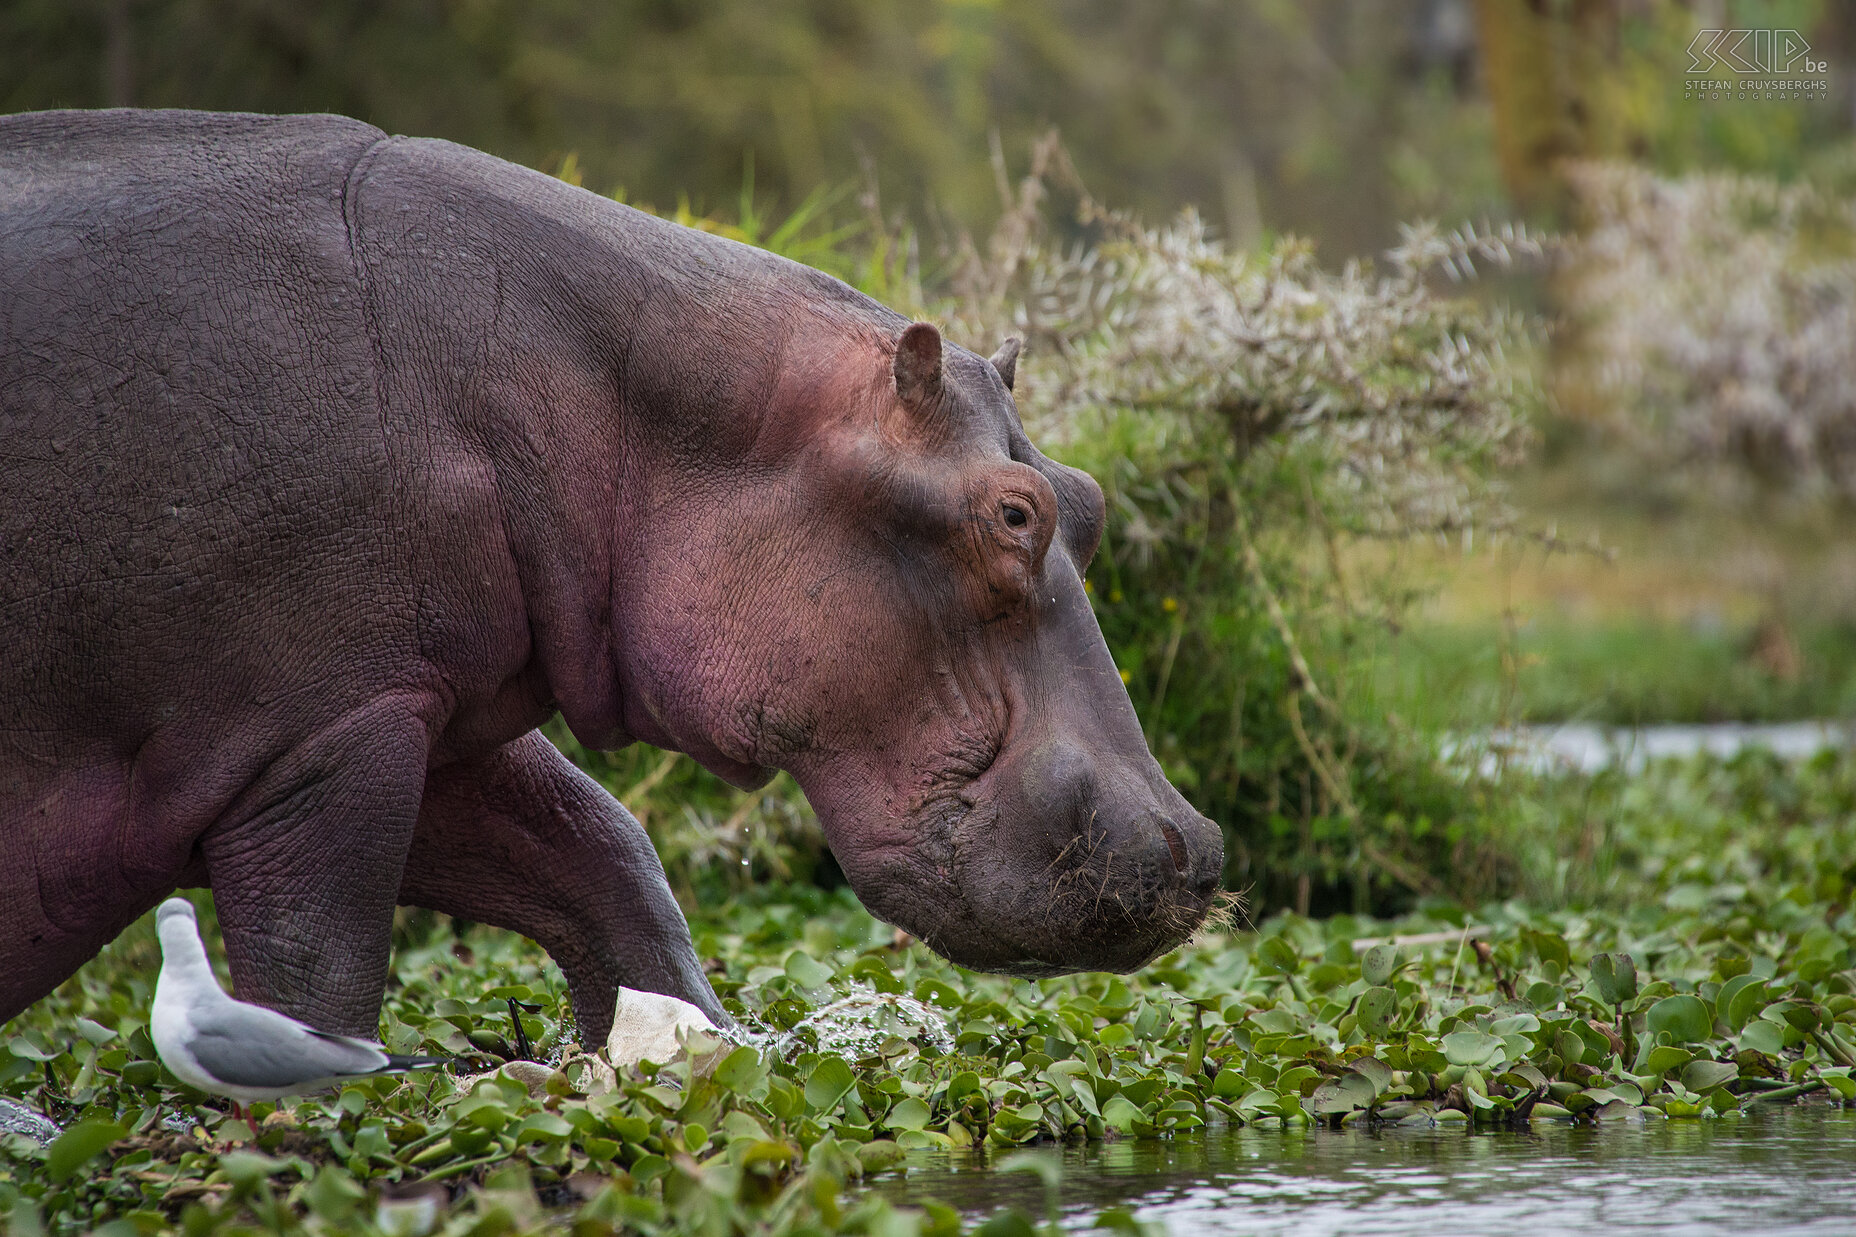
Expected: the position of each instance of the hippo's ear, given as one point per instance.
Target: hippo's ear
(1006, 360)
(918, 365)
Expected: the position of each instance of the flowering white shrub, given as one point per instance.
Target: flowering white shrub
(1716, 323)
(1405, 400)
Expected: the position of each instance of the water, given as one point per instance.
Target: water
(1788, 1171)
(1580, 747)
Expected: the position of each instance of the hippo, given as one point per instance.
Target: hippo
(335, 463)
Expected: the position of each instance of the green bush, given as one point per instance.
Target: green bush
(1254, 421)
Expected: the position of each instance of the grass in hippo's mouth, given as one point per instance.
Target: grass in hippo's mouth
(1713, 975)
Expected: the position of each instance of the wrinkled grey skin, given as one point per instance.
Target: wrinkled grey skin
(333, 463)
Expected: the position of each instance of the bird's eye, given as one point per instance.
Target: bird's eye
(1015, 516)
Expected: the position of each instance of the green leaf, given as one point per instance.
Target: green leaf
(910, 1114)
(1047, 1168)
(1470, 1047)
(1009, 1223)
(879, 1154)
(806, 971)
(1374, 1071)
(830, 1081)
(1121, 1114)
(1682, 1017)
(1344, 1094)
(1375, 1011)
(73, 1149)
(1763, 1036)
(1277, 955)
(1615, 977)
(20, 1046)
(94, 1032)
(1702, 1076)
(741, 1071)
(1378, 964)
(1549, 947)
(246, 1169)
(1739, 999)
(1665, 1057)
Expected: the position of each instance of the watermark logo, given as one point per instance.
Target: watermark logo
(1774, 65)
(1750, 52)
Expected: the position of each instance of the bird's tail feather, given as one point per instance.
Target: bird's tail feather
(396, 1062)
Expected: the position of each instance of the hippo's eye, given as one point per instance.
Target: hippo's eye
(1015, 516)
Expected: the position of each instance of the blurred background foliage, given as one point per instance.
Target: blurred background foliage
(1330, 119)
(1347, 451)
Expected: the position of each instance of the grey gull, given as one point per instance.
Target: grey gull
(246, 1052)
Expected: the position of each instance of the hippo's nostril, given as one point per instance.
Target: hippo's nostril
(1175, 844)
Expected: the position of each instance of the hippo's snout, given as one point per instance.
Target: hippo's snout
(1102, 863)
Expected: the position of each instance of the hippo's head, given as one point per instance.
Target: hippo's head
(882, 593)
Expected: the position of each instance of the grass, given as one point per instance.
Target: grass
(1626, 672)
(1687, 956)
(1656, 605)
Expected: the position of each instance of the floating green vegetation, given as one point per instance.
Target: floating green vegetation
(1728, 985)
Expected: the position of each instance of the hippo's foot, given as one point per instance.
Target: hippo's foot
(522, 839)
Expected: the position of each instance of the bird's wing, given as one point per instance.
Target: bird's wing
(249, 1046)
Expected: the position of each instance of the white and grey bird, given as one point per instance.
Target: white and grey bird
(246, 1052)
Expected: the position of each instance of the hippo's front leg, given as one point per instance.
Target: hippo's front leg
(304, 869)
(522, 839)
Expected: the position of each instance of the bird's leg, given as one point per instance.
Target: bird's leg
(522, 839)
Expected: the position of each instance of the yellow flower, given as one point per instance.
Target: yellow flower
(1114, 594)
(1089, 586)
(1126, 678)
(1169, 605)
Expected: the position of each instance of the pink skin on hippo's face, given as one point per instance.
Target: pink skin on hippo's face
(887, 601)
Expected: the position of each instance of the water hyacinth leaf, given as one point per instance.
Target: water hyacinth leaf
(1350, 1091)
(831, 1080)
(74, 1148)
(806, 971)
(1762, 1036)
(1683, 1018)
(1229, 1084)
(1615, 977)
(1378, 964)
(1009, 1223)
(1047, 1168)
(1470, 1047)
(1375, 1011)
(21, 1046)
(95, 1032)
(1120, 1114)
(910, 1114)
(741, 1071)
(1801, 1014)
(1704, 1076)
(1276, 954)
(1375, 1071)
(1665, 1057)
(1739, 999)
(879, 1154)
(1543, 995)
(1550, 948)
(1525, 1077)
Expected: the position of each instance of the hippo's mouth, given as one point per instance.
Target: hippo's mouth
(1085, 908)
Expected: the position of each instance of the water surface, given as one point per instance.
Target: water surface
(1788, 1171)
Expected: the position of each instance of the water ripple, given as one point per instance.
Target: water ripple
(1788, 1171)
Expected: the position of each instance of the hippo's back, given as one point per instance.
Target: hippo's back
(186, 402)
